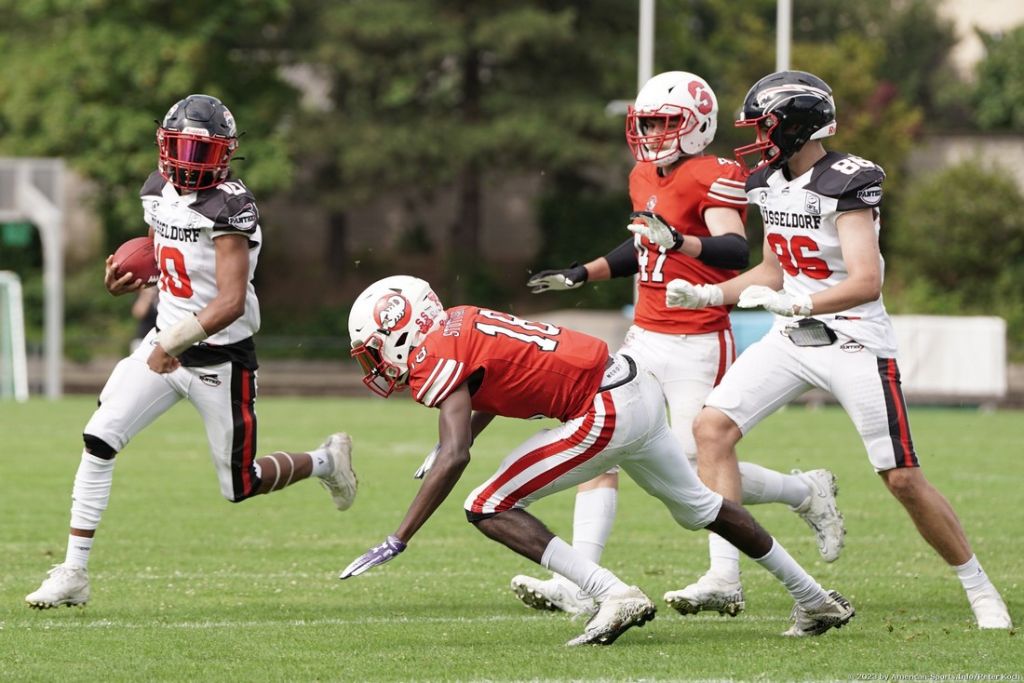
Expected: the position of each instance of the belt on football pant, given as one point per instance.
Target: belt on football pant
(630, 374)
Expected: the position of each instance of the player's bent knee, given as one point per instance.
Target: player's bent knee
(904, 482)
(714, 426)
(475, 518)
(98, 447)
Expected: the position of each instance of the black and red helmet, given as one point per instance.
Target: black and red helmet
(196, 139)
(787, 108)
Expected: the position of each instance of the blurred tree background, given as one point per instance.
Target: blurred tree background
(419, 101)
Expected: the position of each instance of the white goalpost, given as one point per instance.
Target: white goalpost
(32, 189)
(13, 361)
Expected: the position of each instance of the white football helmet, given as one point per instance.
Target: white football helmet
(388, 320)
(675, 114)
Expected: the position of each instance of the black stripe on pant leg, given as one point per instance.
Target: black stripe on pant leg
(243, 383)
(896, 412)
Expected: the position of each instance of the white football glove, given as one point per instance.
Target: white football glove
(683, 294)
(653, 227)
(427, 463)
(779, 303)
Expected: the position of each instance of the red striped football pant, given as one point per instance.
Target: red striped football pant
(625, 426)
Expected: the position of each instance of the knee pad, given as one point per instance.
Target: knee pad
(98, 447)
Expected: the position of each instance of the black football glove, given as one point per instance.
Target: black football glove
(558, 280)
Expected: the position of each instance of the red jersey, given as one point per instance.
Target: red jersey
(681, 198)
(515, 368)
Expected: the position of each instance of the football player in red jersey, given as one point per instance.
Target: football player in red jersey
(821, 217)
(689, 209)
(473, 364)
(205, 226)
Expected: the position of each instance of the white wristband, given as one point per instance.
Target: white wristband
(181, 335)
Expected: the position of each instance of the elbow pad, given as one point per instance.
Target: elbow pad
(622, 260)
(725, 251)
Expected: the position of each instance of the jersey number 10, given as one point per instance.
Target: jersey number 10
(173, 275)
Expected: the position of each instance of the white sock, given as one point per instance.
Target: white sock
(593, 579)
(323, 463)
(972, 577)
(91, 492)
(78, 551)
(804, 589)
(592, 521)
(725, 558)
(762, 485)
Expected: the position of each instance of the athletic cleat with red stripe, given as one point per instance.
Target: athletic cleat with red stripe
(341, 482)
(835, 612)
(62, 586)
(616, 615)
(820, 513)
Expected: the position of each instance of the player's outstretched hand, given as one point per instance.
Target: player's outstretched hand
(378, 554)
(558, 280)
(682, 294)
(653, 227)
(428, 462)
(120, 285)
(779, 303)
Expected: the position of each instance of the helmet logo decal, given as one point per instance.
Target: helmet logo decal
(703, 98)
(391, 312)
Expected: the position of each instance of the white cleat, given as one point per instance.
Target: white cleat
(821, 514)
(554, 594)
(63, 586)
(710, 593)
(990, 610)
(616, 615)
(342, 481)
(833, 613)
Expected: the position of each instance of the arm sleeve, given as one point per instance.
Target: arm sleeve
(622, 260)
(725, 251)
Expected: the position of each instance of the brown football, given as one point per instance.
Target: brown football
(138, 257)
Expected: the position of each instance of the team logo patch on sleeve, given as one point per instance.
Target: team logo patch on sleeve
(870, 195)
(246, 219)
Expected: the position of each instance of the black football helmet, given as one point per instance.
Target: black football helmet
(788, 108)
(196, 139)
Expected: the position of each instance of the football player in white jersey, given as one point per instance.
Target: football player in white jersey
(696, 234)
(206, 231)
(822, 277)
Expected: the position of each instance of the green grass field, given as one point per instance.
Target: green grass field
(186, 586)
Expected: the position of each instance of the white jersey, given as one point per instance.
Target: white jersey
(184, 227)
(800, 217)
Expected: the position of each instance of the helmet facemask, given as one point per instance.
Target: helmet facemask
(192, 161)
(379, 376)
(655, 135)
